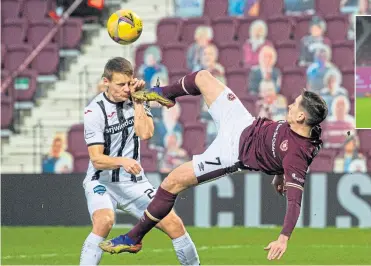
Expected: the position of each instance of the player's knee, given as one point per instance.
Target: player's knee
(203, 76)
(172, 183)
(172, 225)
(103, 222)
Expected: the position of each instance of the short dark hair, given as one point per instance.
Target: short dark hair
(315, 107)
(117, 65)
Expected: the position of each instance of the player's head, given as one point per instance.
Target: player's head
(308, 109)
(117, 76)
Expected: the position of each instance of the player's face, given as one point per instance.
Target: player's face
(119, 86)
(295, 114)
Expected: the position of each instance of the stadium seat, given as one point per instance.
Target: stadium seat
(279, 28)
(269, 8)
(230, 55)
(16, 54)
(194, 138)
(348, 80)
(80, 162)
(343, 54)
(47, 61)
(148, 160)
(37, 31)
(175, 75)
(26, 94)
(189, 27)
(327, 7)
(6, 111)
(191, 109)
(287, 54)
(69, 36)
(76, 141)
(293, 81)
(14, 31)
(10, 9)
(215, 8)
(168, 30)
(224, 30)
(243, 28)
(174, 56)
(365, 140)
(249, 101)
(139, 53)
(323, 162)
(301, 28)
(237, 81)
(337, 27)
(35, 9)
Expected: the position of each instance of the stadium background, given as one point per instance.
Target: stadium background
(43, 155)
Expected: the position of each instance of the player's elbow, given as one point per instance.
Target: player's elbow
(145, 135)
(95, 160)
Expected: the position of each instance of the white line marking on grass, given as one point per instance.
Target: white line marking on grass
(164, 250)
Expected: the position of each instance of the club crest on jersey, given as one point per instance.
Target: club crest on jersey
(99, 189)
(231, 96)
(284, 145)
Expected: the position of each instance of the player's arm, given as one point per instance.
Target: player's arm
(143, 122)
(94, 138)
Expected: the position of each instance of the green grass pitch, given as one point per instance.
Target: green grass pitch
(363, 112)
(216, 246)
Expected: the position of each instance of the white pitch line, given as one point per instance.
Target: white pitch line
(163, 250)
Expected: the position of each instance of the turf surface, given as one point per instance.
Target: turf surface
(363, 112)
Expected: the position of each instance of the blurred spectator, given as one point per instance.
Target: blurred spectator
(209, 61)
(203, 37)
(241, 7)
(338, 124)
(310, 43)
(350, 160)
(58, 160)
(332, 81)
(211, 130)
(152, 65)
(257, 40)
(298, 7)
(352, 27)
(318, 69)
(160, 79)
(167, 125)
(265, 70)
(271, 104)
(189, 8)
(174, 155)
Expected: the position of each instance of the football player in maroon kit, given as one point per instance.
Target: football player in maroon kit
(284, 149)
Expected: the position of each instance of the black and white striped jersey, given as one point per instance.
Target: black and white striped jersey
(112, 125)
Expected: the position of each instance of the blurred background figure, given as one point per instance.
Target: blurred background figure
(332, 82)
(350, 160)
(311, 42)
(152, 66)
(266, 70)
(299, 7)
(58, 160)
(173, 155)
(210, 62)
(203, 37)
(188, 8)
(257, 40)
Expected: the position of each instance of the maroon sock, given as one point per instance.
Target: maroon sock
(160, 206)
(175, 90)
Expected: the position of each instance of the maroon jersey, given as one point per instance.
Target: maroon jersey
(273, 148)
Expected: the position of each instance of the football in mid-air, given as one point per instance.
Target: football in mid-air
(124, 26)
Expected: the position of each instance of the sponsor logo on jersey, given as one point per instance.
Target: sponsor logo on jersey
(88, 111)
(110, 116)
(284, 145)
(99, 189)
(89, 134)
(301, 180)
(274, 139)
(116, 128)
(231, 96)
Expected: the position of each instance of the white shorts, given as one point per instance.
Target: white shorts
(127, 196)
(231, 118)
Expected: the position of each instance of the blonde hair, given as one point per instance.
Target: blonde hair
(204, 30)
(270, 49)
(333, 72)
(346, 104)
(256, 24)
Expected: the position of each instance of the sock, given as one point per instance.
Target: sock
(184, 86)
(161, 205)
(186, 250)
(91, 253)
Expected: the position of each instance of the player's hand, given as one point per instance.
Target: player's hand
(137, 85)
(131, 166)
(277, 248)
(278, 183)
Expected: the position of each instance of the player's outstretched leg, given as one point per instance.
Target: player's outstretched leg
(196, 83)
(178, 180)
(103, 220)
